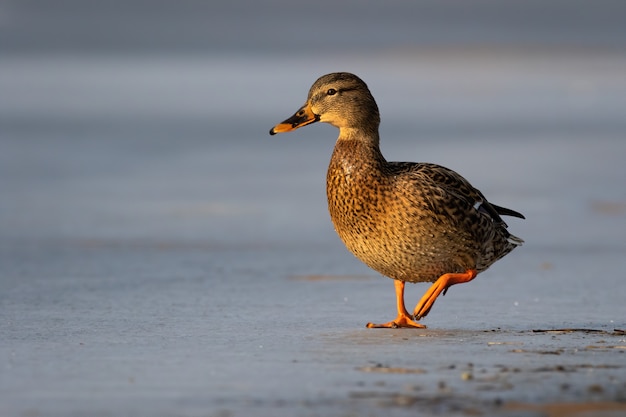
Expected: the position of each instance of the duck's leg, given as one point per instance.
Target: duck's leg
(403, 319)
(441, 285)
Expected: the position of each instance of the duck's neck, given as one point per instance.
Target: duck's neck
(369, 136)
(355, 152)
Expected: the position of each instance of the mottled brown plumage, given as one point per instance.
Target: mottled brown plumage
(413, 222)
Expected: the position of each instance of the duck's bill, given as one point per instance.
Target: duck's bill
(303, 117)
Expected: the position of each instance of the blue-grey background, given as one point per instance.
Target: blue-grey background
(161, 254)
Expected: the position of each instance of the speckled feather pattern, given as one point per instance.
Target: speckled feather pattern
(409, 221)
(412, 222)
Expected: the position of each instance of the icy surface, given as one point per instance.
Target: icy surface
(162, 255)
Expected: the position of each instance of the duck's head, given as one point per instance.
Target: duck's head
(341, 99)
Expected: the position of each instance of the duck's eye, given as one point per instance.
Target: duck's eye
(331, 92)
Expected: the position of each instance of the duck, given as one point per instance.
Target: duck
(409, 221)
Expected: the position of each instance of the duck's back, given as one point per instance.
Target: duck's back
(411, 221)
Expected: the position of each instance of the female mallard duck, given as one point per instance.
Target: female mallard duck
(413, 222)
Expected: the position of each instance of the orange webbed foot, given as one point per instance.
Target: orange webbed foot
(403, 320)
(441, 285)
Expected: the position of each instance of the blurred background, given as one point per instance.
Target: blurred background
(162, 254)
(149, 119)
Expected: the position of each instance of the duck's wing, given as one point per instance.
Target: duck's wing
(452, 188)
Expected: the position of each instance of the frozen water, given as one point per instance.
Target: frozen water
(161, 254)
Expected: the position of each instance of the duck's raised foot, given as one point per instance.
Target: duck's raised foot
(441, 285)
(401, 321)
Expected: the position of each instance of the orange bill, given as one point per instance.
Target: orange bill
(304, 116)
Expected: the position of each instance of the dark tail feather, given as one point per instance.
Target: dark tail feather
(507, 212)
